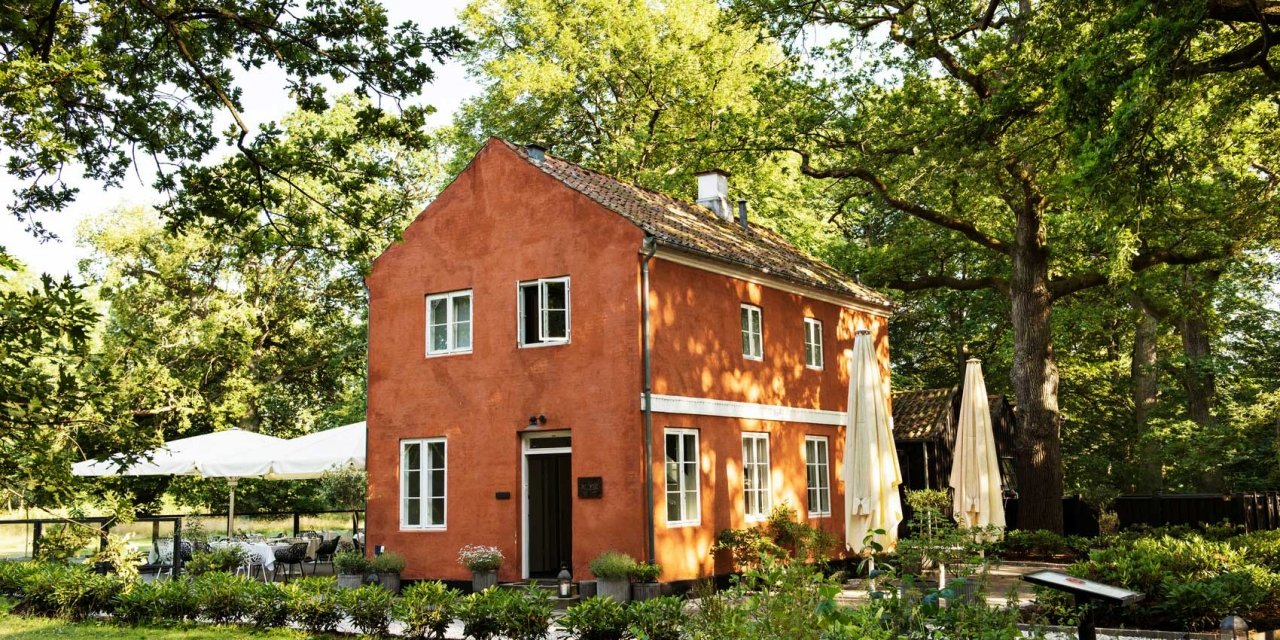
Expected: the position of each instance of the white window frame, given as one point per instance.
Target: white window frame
(451, 323)
(425, 493)
(543, 339)
(686, 519)
(752, 337)
(764, 488)
(813, 343)
(819, 469)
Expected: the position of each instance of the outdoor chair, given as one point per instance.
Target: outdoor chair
(252, 561)
(164, 557)
(324, 552)
(295, 553)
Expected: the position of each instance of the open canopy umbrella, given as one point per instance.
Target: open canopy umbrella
(310, 456)
(871, 474)
(975, 471)
(222, 454)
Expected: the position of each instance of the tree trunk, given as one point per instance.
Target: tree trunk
(1035, 377)
(1198, 377)
(1150, 478)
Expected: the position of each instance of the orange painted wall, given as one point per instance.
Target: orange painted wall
(502, 221)
(698, 353)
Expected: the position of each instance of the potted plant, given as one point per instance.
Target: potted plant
(613, 570)
(645, 575)
(351, 567)
(483, 561)
(388, 565)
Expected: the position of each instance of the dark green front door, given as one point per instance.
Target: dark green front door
(550, 514)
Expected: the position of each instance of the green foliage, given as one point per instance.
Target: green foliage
(1040, 545)
(1203, 603)
(268, 604)
(935, 538)
(139, 604)
(612, 565)
(481, 613)
(661, 618)
(478, 557)
(596, 618)
(750, 608)
(314, 604)
(68, 591)
(176, 600)
(345, 487)
(526, 614)
(222, 597)
(221, 559)
(351, 563)
(782, 534)
(746, 546)
(646, 572)
(369, 608)
(65, 541)
(122, 558)
(388, 562)
(426, 609)
(13, 576)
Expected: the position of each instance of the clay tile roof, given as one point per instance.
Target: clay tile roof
(918, 415)
(693, 228)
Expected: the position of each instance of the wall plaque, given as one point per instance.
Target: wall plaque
(503, 495)
(591, 487)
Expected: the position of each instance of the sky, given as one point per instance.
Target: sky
(264, 101)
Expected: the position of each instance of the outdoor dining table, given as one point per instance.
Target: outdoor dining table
(262, 550)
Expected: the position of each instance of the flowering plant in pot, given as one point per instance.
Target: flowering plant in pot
(613, 569)
(484, 562)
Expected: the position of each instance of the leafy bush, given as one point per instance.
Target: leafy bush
(314, 604)
(746, 546)
(481, 613)
(224, 559)
(389, 562)
(221, 597)
(1203, 603)
(657, 619)
(1040, 544)
(480, 557)
(139, 604)
(13, 576)
(268, 604)
(596, 618)
(369, 608)
(526, 614)
(783, 534)
(426, 609)
(64, 542)
(177, 600)
(351, 563)
(646, 572)
(122, 558)
(612, 565)
(69, 591)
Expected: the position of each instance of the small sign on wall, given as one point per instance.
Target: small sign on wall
(591, 487)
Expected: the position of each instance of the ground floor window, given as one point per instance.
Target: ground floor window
(422, 483)
(682, 477)
(817, 475)
(755, 475)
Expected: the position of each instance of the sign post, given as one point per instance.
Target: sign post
(1086, 593)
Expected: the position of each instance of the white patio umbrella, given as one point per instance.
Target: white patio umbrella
(312, 455)
(975, 470)
(871, 474)
(230, 454)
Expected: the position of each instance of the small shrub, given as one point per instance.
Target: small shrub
(67, 591)
(646, 572)
(480, 557)
(220, 597)
(122, 558)
(656, 619)
(596, 618)
(268, 604)
(314, 604)
(526, 614)
(426, 609)
(1200, 604)
(612, 565)
(64, 542)
(177, 600)
(224, 559)
(389, 562)
(369, 608)
(481, 613)
(746, 546)
(13, 576)
(139, 604)
(351, 563)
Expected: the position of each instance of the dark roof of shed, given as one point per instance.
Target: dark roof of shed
(917, 415)
(693, 228)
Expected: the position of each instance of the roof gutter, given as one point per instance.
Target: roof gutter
(649, 247)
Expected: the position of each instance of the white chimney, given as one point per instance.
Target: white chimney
(713, 193)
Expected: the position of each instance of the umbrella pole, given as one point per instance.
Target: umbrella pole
(231, 506)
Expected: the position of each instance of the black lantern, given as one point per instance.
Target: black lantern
(565, 582)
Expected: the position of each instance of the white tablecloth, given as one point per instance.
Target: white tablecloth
(265, 553)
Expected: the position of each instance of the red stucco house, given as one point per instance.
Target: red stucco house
(508, 334)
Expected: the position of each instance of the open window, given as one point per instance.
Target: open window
(544, 311)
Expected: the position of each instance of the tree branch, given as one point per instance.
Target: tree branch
(948, 282)
(1060, 287)
(1255, 11)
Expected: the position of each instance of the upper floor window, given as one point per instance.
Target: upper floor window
(755, 475)
(752, 336)
(544, 311)
(682, 477)
(812, 343)
(817, 475)
(422, 483)
(449, 323)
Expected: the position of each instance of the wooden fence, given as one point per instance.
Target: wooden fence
(1255, 511)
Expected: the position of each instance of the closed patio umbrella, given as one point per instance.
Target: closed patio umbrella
(871, 474)
(230, 454)
(975, 471)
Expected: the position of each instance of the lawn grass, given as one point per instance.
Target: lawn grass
(14, 626)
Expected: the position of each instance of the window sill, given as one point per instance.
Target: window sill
(442, 354)
(536, 345)
(812, 368)
(819, 515)
(407, 529)
(753, 358)
(684, 524)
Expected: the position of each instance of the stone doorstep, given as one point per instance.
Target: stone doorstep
(1069, 633)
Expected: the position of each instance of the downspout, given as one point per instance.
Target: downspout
(649, 247)
(368, 327)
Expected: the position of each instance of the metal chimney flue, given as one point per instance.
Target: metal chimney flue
(742, 214)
